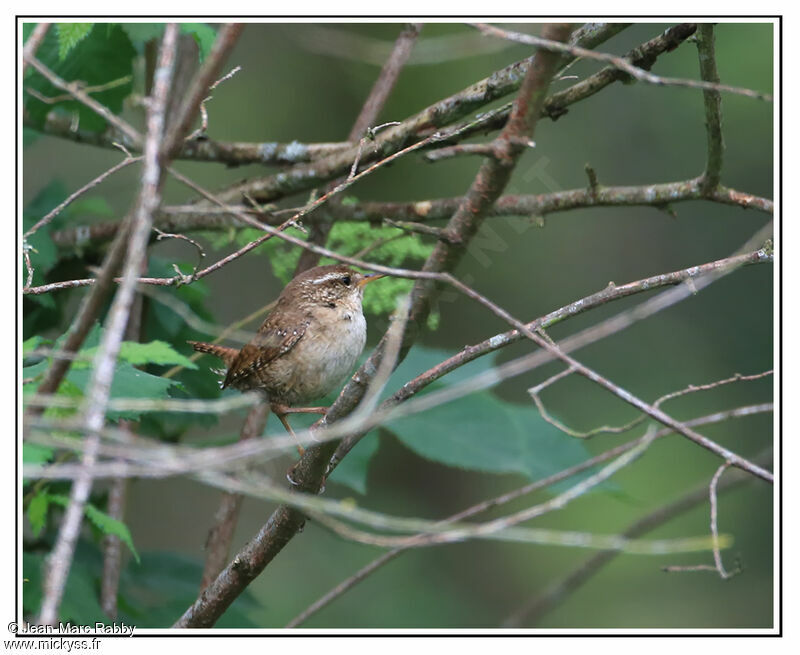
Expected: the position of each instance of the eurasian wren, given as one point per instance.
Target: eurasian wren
(308, 343)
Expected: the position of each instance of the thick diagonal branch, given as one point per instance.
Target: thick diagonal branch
(310, 472)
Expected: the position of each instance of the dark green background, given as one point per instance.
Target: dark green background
(631, 134)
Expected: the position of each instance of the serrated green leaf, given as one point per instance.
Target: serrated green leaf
(109, 525)
(37, 512)
(203, 34)
(352, 470)
(103, 58)
(70, 35)
(102, 521)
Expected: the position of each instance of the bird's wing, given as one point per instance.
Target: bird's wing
(273, 340)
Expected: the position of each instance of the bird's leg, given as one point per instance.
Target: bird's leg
(281, 411)
(304, 410)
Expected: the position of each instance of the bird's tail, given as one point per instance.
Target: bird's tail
(226, 354)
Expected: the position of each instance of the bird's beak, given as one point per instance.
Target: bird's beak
(370, 278)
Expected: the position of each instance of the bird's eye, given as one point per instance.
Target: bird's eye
(346, 280)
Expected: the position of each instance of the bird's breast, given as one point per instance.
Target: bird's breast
(325, 355)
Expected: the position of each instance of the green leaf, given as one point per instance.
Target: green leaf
(480, 432)
(105, 523)
(203, 34)
(164, 584)
(352, 470)
(34, 454)
(102, 58)
(422, 358)
(155, 352)
(141, 33)
(128, 382)
(92, 205)
(29, 345)
(37, 512)
(66, 389)
(42, 250)
(80, 604)
(109, 525)
(69, 35)
(32, 564)
(29, 136)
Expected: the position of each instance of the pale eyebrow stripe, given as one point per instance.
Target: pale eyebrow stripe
(327, 278)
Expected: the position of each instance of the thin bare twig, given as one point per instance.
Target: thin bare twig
(118, 491)
(448, 152)
(361, 132)
(605, 429)
(378, 562)
(618, 62)
(324, 511)
(168, 235)
(653, 412)
(99, 386)
(270, 232)
(26, 255)
(223, 44)
(431, 119)
(203, 111)
(386, 80)
(81, 96)
(718, 565)
(710, 272)
(95, 88)
(504, 523)
(77, 194)
(532, 611)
